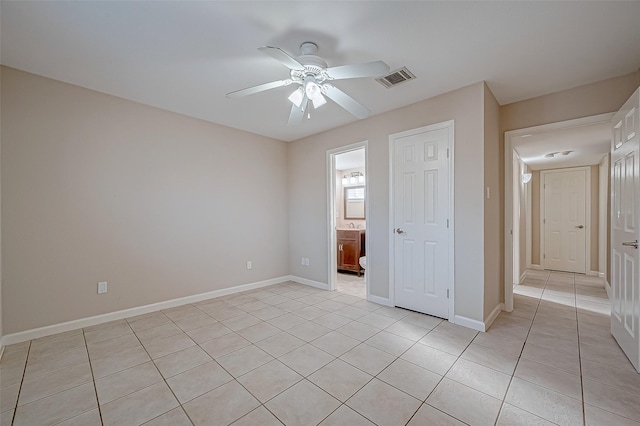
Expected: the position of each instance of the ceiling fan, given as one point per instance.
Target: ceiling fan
(310, 74)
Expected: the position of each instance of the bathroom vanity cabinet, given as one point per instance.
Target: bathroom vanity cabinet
(350, 249)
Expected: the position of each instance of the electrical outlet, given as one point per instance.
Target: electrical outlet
(306, 261)
(302, 261)
(249, 264)
(102, 287)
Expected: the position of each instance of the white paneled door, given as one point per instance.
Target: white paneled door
(625, 192)
(421, 218)
(564, 220)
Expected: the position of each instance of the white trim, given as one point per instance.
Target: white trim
(508, 187)
(541, 219)
(469, 323)
(1, 347)
(536, 267)
(522, 276)
(601, 274)
(35, 333)
(603, 213)
(332, 274)
(528, 247)
(593, 274)
(587, 213)
(493, 315)
(380, 300)
(607, 287)
(450, 124)
(515, 235)
(311, 283)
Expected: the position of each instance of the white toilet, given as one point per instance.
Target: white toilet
(363, 262)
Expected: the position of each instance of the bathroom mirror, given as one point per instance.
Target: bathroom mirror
(354, 202)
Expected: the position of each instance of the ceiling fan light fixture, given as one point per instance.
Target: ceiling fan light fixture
(296, 97)
(318, 101)
(312, 89)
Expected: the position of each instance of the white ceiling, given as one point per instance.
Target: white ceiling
(185, 56)
(350, 160)
(588, 144)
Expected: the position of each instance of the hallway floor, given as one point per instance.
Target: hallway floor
(295, 355)
(352, 284)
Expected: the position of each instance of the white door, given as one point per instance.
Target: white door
(421, 218)
(625, 191)
(564, 220)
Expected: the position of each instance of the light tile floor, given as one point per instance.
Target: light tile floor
(351, 284)
(300, 356)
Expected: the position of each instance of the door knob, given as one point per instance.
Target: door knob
(580, 226)
(399, 231)
(633, 244)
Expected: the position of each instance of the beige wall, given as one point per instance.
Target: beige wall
(308, 208)
(583, 101)
(493, 214)
(160, 205)
(1, 322)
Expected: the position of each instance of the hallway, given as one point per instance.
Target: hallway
(570, 362)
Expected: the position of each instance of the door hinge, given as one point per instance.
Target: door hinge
(447, 223)
(544, 220)
(447, 152)
(544, 255)
(447, 293)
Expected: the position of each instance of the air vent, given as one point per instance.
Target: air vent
(396, 77)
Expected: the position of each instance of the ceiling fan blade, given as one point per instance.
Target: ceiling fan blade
(297, 112)
(258, 88)
(345, 101)
(283, 57)
(369, 69)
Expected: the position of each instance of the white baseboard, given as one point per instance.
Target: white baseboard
(35, 333)
(607, 287)
(493, 315)
(593, 274)
(601, 274)
(305, 281)
(536, 267)
(469, 323)
(1, 346)
(385, 301)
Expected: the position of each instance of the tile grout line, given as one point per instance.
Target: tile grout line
(441, 379)
(156, 367)
(521, 351)
(93, 378)
(24, 373)
(584, 412)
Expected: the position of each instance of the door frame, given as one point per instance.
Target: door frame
(331, 211)
(587, 214)
(509, 138)
(450, 235)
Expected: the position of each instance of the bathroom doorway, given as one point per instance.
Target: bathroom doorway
(347, 219)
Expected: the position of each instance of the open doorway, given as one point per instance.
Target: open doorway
(533, 153)
(347, 219)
